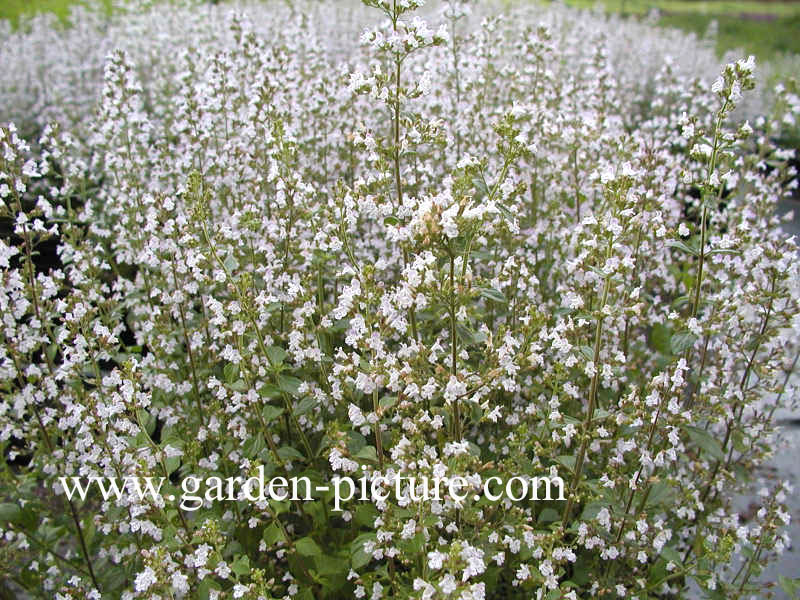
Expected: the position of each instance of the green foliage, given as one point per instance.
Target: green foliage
(14, 10)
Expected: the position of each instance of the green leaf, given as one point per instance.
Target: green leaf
(465, 334)
(681, 341)
(566, 460)
(278, 507)
(789, 586)
(147, 421)
(738, 441)
(705, 441)
(355, 442)
(290, 385)
(273, 534)
(270, 413)
(722, 251)
(587, 352)
(590, 510)
(492, 294)
(473, 448)
(241, 566)
(387, 402)
(230, 372)
(253, 446)
(305, 405)
(205, 587)
(682, 247)
(10, 513)
(670, 554)
(276, 355)
(359, 558)
(660, 339)
(269, 390)
(367, 453)
(332, 566)
(305, 594)
(365, 515)
(239, 385)
(548, 515)
(660, 494)
(415, 545)
(505, 212)
(172, 463)
(481, 186)
(391, 221)
(112, 578)
(680, 301)
(52, 350)
(480, 255)
(231, 263)
(289, 453)
(307, 547)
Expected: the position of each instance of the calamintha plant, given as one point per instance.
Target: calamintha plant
(474, 247)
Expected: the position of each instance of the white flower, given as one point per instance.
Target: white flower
(356, 416)
(436, 560)
(144, 580)
(454, 389)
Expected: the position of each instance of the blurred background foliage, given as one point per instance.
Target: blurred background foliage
(769, 29)
(766, 28)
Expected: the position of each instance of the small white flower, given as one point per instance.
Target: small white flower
(144, 580)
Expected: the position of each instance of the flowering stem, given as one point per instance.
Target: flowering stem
(189, 352)
(457, 99)
(398, 183)
(650, 436)
(634, 277)
(737, 418)
(704, 216)
(72, 509)
(454, 345)
(45, 435)
(592, 401)
(785, 383)
(377, 425)
(259, 339)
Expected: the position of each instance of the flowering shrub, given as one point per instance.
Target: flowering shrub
(474, 248)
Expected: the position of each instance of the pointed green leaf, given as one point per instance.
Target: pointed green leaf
(241, 566)
(367, 453)
(276, 355)
(307, 547)
(682, 247)
(270, 413)
(492, 294)
(682, 340)
(290, 385)
(705, 441)
(305, 405)
(273, 534)
(10, 513)
(231, 263)
(566, 460)
(289, 453)
(660, 339)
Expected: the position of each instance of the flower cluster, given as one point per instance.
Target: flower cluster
(461, 246)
